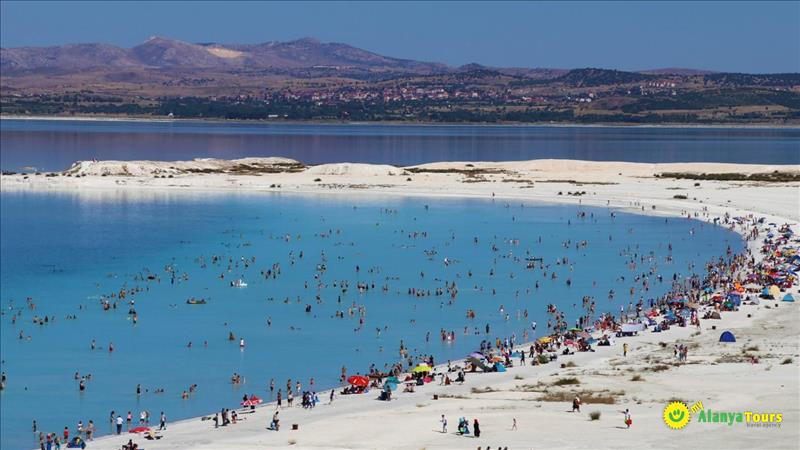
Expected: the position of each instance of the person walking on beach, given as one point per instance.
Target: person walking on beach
(514, 424)
(89, 430)
(163, 421)
(476, 428)
(119, 424)
(628, 420)
(625, 349)
(444, 423)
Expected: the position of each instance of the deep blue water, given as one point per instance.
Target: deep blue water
(54, 145)
(66, 250)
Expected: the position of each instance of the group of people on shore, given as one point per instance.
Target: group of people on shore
(720, 274)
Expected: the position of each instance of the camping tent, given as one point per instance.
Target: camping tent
(788, 298)
(727, 336)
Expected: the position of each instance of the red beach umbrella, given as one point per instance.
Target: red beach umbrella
(139, 430)
(252, 401)
(358, 380)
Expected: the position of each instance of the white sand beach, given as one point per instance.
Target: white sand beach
(722, 376)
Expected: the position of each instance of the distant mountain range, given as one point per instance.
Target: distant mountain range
(307, 79)
(163, 53)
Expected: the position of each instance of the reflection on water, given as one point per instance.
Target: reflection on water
(54, 145)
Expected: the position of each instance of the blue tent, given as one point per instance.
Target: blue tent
(788, 298)
(765, 294)
(500, 367)
(727, 336)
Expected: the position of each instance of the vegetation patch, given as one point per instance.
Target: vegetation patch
(771, 177)
(566, 381)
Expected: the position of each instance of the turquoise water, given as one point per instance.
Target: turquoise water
(67, 250)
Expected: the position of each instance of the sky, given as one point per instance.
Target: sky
(737, 36)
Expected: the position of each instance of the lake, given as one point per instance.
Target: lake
(55, 144)
(68, 252)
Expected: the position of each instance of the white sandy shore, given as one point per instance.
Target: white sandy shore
(411, 421)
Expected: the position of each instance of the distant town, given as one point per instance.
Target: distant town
(342, 83)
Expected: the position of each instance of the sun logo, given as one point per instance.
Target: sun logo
(676, 415)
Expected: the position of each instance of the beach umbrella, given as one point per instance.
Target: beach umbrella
(575, 329)
(358, 380)
(774, 291)
(422, 368)
(478, 362)
(252, 401)
(545, 340)
(139, 430)
(476, 355)
(392, 379)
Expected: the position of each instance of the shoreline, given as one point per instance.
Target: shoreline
(633, 186)
(136, 119)
(361, 405)
(326, 427)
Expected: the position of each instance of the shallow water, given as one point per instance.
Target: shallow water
(54, 145)
(66, 250)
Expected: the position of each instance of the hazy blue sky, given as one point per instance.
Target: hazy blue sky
(730, 36)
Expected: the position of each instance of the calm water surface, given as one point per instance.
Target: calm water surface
(65, 251)
(54, 145)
